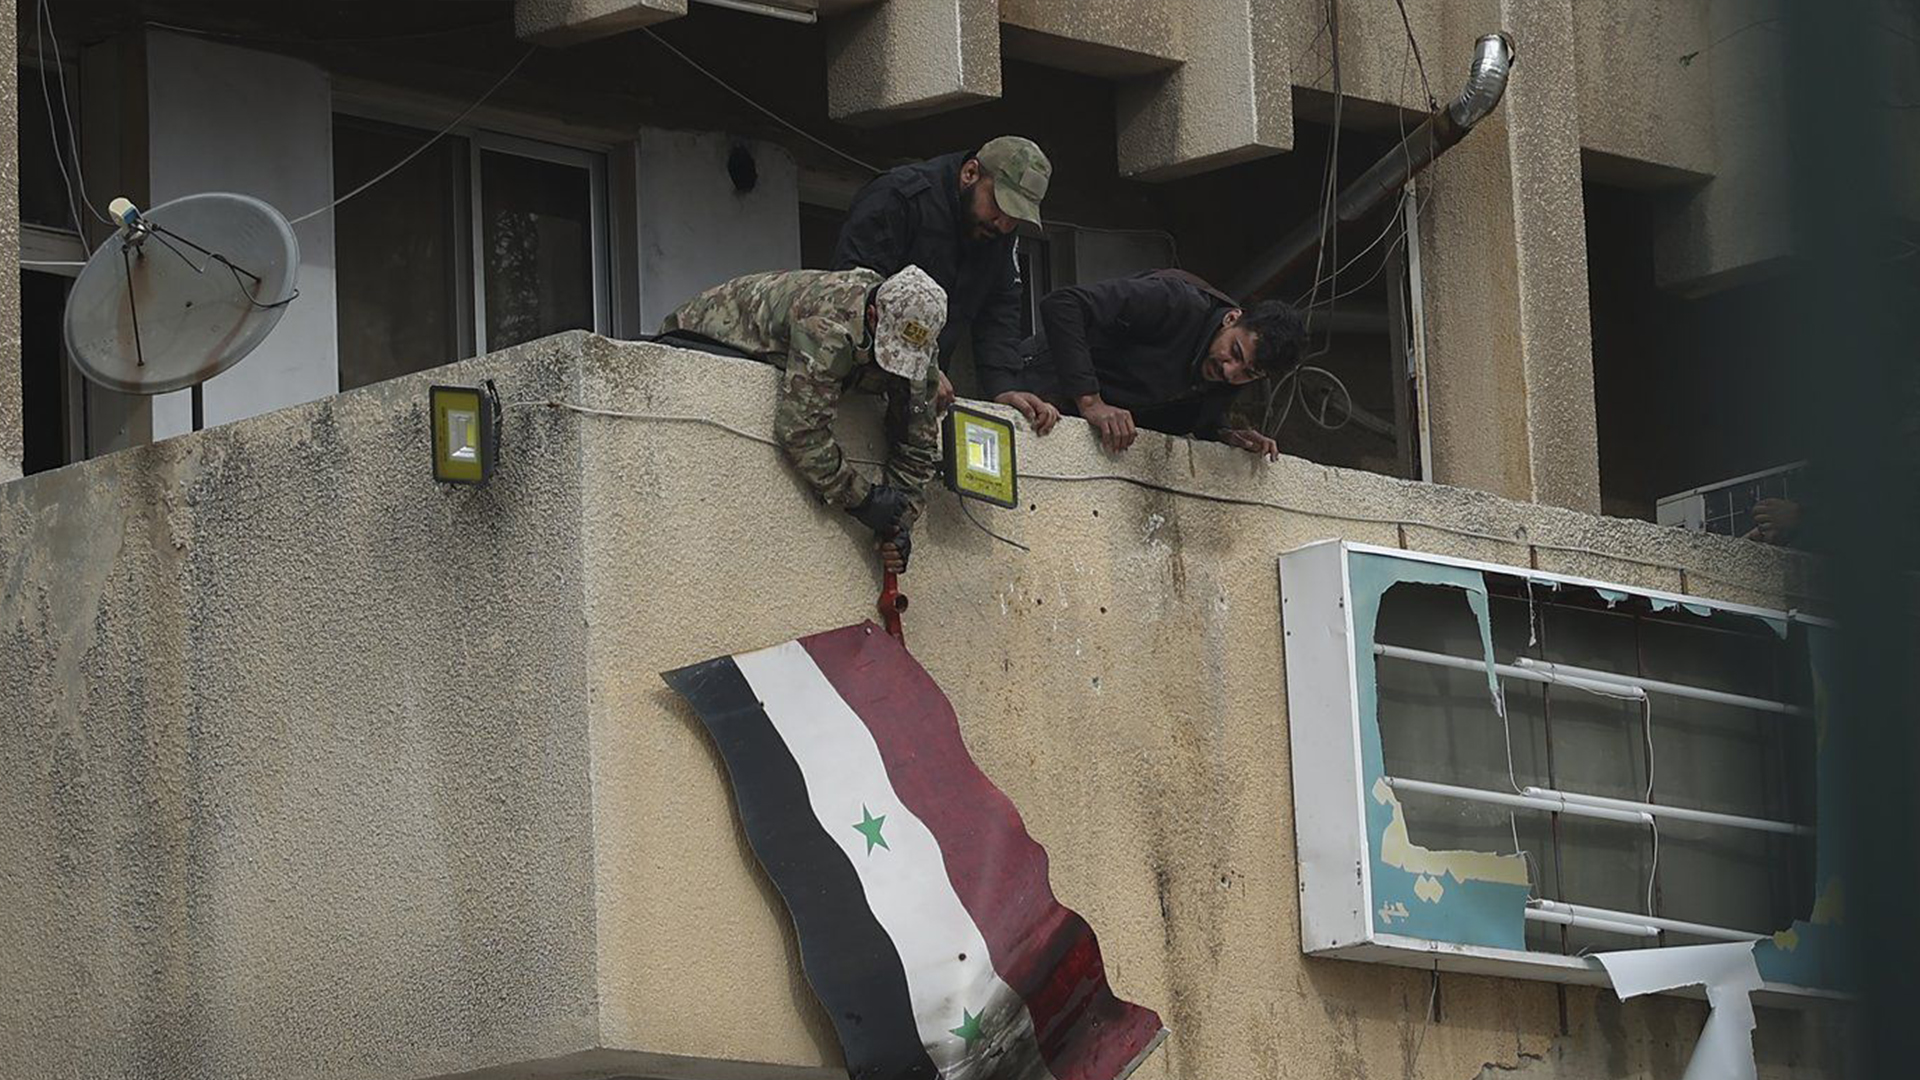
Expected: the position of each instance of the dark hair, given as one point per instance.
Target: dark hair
(1278, 333)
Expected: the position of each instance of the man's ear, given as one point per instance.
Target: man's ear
(970, 171)
(1232, 317)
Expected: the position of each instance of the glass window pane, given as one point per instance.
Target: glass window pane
(46, 413)
(536, 235)
(396, 248)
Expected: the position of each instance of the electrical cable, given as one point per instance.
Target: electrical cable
(1432, 102)
(1169, 489)
(200, 31)
(66, 111)
(968, 511)
(1646, 725)
(1051, 222)
(42, 33)
(161, 233)
(1328, 178)
(768, 113)
(422, 148)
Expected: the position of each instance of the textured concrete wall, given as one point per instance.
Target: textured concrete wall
(1739, 223)
(297, 784)
(697, 229)
(320, 770)
(1643, 105)
(1503, 260)
(568, 22)
(905, 58)
(12, 433)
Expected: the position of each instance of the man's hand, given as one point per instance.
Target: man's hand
(1775, 521)
(882, 509)
(1114, 425)
(1251, 441)
(943, 397)
(894, 551)
(1034, 407)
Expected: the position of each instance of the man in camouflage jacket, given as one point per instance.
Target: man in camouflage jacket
(834, 330)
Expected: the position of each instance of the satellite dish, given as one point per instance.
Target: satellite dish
(180, 293)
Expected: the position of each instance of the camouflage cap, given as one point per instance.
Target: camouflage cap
(1020, 174)
(912, 309)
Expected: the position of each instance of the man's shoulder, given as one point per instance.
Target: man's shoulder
(919, 177)
(837, 289)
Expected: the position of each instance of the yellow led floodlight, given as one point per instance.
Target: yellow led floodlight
(979, 456)
(464, 434)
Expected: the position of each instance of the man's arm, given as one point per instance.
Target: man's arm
(878, 233)
(913, 440)
(803, 420)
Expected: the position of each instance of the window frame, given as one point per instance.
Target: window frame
(482, 140)
(1330, 785)
(47, 249)
(525, 136)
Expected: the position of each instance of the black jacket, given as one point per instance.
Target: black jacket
(1138, 341)
(912, 216)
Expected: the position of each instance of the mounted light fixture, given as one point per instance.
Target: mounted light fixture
(979, 457)
(466, 432)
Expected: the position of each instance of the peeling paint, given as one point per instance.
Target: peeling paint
(1397, 849)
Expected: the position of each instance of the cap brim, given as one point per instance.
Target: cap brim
(1016, 205)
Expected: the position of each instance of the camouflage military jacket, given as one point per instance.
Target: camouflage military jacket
(813, 323)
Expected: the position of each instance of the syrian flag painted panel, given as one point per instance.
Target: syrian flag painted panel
(926, 923)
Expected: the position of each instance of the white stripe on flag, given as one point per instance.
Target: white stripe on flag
(949, 973)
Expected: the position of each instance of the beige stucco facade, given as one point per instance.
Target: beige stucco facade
(320, 769)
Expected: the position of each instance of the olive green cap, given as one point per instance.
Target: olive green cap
(1020, 174)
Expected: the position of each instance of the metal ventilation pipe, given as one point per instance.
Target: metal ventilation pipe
(1493, 59)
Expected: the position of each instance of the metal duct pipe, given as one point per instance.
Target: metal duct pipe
(1493, 59)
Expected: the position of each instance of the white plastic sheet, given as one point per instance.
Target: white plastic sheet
(1725, 1049)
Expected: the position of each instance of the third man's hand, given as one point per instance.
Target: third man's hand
(1115, 425)
(1032, 406)
(943, 397)
(1251, 441)
(895, 550)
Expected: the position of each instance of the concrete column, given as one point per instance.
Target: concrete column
(1738, 226)
(907, 58)
(1229, 102)
(569, 22)
(1504, 261)
(12, 418)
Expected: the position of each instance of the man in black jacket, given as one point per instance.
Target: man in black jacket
(954, 217)
(1161, 350)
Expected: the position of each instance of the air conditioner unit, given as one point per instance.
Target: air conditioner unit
(1726, 507)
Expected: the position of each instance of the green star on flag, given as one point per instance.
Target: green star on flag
(969, 1028)
(869, 827)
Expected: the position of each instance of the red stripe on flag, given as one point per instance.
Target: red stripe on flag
(1041, 948)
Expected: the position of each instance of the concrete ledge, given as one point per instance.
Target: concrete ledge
(570, 22)
(1108, 38)
(317, 769)
(905, 58)
(1229, 102)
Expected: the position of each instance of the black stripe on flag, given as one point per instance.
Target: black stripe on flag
(849, 959)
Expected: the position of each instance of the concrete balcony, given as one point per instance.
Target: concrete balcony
(317, 769)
